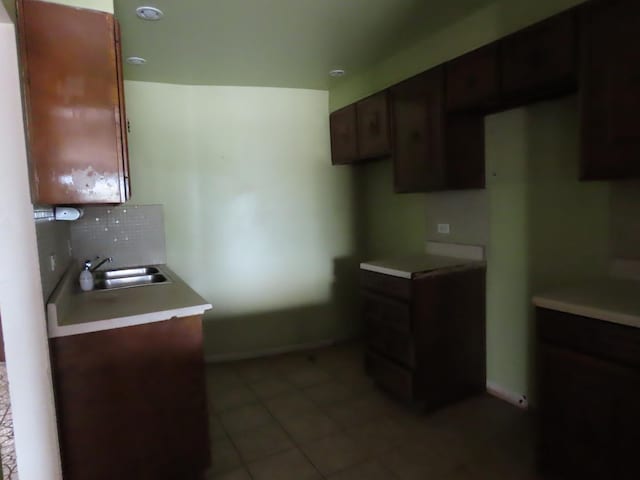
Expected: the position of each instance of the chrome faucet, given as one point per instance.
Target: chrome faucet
(87, 263)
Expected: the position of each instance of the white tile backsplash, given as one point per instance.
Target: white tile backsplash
(131, 234)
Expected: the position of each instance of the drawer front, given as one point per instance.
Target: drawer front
(385, 310)
(541, 57)
(386, 284)
(391, 342)
(390, 376)
(605, 340)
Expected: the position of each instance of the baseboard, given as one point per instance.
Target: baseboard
(268, 352)
(517, 399)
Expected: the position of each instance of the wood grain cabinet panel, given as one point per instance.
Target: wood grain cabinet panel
(540, 61)
(418, 122)
(430, 346)
(610, 90)
(374, 136)
(472, 80)
(589, 384)
(74, 98)
(344, 137)
(434, 150)
(131, 402)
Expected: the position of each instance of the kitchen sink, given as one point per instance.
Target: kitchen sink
(126, 272)
(129, 277)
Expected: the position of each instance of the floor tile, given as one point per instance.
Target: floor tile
(216, 430)
(288, 404)
(291, 415)
(307, 426)
(420, 462)
(290, 465)
(378, 436)
(238, 474)
(232, 397)
(371, 470)
(270, 387)
(257, 370)
(262, 442)
(222, 376)
(224, 456)
(328, 392)
(307, 376)
(356, 411)
(245, 418)
(334, 453)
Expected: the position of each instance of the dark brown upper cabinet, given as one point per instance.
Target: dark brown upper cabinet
(374, 135)
(74, 103)
(361, 131)
(610, 90)
(540, 61)
(344, 139)
(472, 80)
(433, 150)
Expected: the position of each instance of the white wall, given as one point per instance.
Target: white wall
(257, 219)
(21, 305)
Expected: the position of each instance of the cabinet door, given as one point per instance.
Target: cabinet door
(344, 146)
(472, 80)
(374, 137)
(579, 400)
(417, 107)
(131, 402)
(73, 104)
(610, 90)
(540, 61)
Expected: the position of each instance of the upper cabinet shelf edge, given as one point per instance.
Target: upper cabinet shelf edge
(74, 104)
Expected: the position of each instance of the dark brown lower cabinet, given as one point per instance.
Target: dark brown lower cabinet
(589, 376)
(426, 335)
(131, 402)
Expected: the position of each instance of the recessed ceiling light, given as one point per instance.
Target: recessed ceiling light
(136, 60)
(149, 13)
(337, 72)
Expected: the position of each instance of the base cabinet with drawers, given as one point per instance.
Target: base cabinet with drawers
(589, 388)
(426, 335)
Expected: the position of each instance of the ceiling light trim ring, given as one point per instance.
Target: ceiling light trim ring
(149, 13)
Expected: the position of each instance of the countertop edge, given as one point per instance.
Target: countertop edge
(58, 303)
(56, 331)
(385, 271)
(587, 311)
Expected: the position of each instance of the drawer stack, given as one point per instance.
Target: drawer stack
(425, 335)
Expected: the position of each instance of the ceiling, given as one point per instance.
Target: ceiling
(280, 43)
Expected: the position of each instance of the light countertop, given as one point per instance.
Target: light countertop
(415, 265)
(613, 300)
(71, 311)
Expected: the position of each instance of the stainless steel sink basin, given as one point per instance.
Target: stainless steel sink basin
(126, 272)
(111, 283)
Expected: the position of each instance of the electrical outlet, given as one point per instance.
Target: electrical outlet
(52, 262)
(443, 228)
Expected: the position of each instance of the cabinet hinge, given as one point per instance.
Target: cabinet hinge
(128, 126)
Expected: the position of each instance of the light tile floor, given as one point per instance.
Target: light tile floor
(316, 415)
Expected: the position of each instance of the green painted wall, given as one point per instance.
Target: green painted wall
(541, 226)
(546, 228)
(257, 219)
